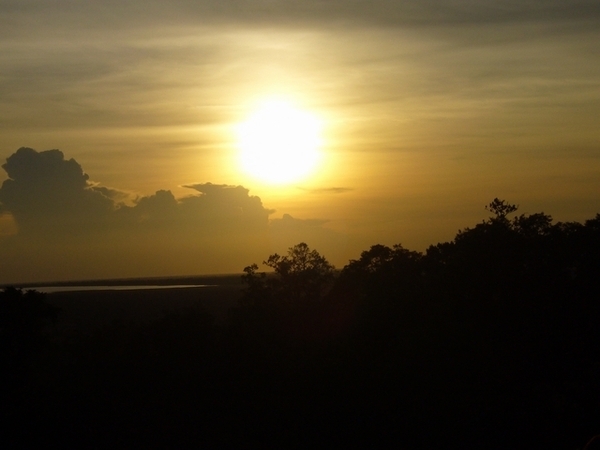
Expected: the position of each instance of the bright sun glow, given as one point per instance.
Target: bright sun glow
(279, 143)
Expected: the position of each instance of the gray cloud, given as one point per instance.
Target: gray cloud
(219, 209)
(69, 228)
(44, 192)
(114, 194)
(118, 14)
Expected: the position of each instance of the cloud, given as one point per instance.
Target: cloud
(44, 192)
(117, 15)
(70, 228)
(236, 198)
(219, 209)
(114, 194)
(108, 65)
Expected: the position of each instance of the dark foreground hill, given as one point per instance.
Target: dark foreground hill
(488, 341)
(90, 310)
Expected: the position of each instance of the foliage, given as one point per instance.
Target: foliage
(501, 208)
(384, 275)
(300, 277)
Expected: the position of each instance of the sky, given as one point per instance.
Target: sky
(429, 110)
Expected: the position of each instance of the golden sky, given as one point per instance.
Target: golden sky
(429, 110)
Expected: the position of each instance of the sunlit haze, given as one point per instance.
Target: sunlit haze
(278, 143)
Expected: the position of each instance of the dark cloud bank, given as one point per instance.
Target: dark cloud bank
(46, 193)
(286, 13)
(71, 228)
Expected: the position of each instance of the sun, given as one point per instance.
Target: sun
(279, 143)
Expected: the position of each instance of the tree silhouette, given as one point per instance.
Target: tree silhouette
(300, 277)
(501, 208)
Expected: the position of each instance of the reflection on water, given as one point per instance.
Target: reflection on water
(51, 289)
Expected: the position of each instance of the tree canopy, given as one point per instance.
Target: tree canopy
(301, 276)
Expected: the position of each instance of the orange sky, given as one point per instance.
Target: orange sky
(430, 110)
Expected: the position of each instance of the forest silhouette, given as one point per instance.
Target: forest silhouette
(487, 341)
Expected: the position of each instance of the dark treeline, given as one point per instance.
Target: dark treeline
(490, 341)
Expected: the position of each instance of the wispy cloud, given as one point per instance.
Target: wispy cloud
(283, 12)
(327, 190)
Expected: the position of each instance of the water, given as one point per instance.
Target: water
(52, 289)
